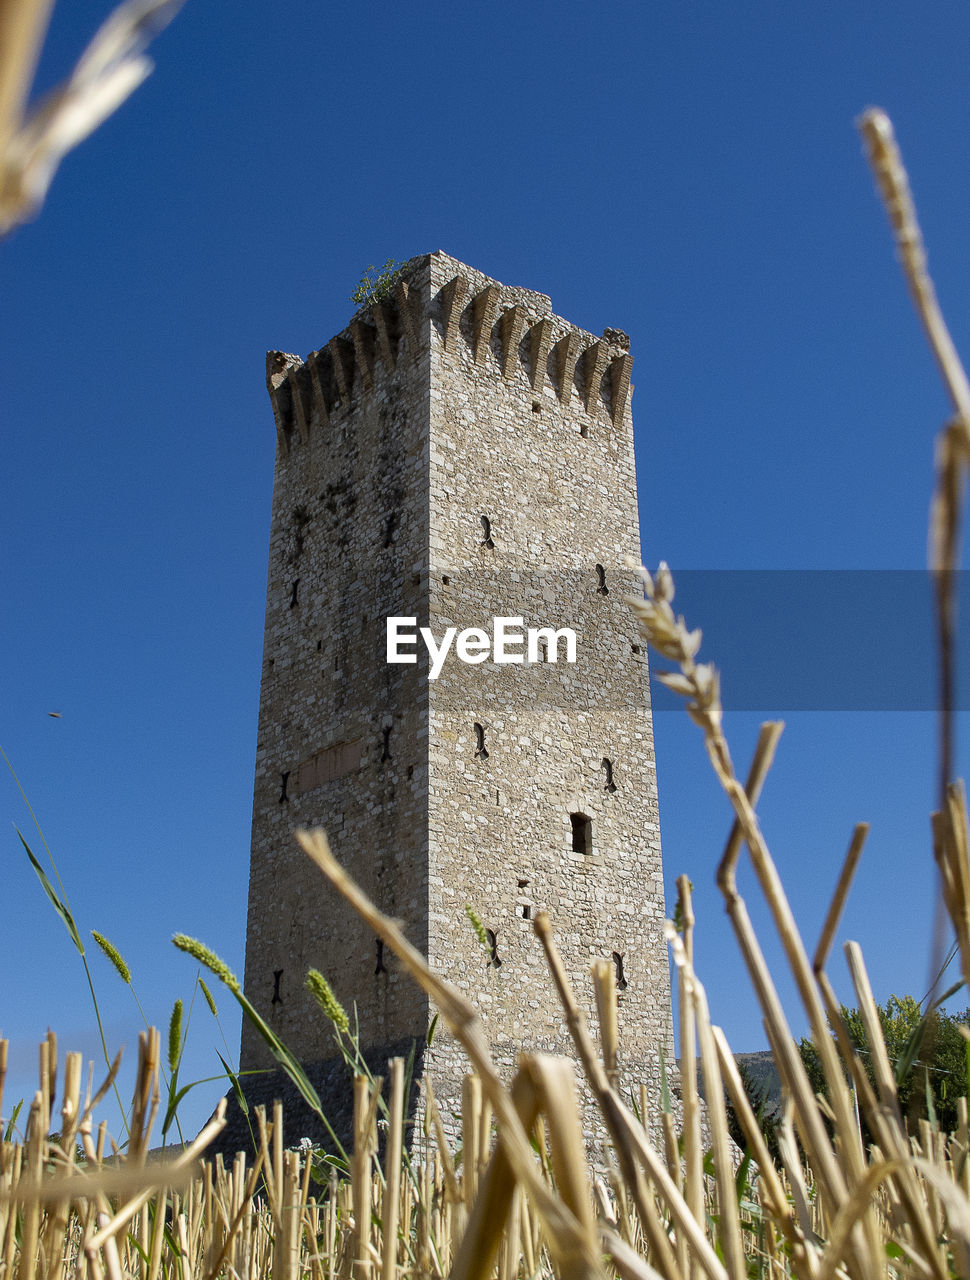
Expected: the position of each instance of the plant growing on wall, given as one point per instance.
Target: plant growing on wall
(375, 285)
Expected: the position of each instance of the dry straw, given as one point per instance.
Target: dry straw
(35, 139)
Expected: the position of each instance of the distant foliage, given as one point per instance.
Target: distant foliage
(927, 1054)
(763, 1106)
(375, 285)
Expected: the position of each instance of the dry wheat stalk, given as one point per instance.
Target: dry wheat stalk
(34, 141)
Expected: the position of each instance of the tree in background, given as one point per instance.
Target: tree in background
(928, 1053)
(764, 1103)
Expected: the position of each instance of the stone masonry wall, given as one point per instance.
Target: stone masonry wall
(342, 736)
(531, 429)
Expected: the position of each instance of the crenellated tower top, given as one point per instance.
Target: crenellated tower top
(511, 330)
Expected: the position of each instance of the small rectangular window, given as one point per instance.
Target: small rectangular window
(582, 833)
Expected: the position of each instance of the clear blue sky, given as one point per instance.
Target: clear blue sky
(689, 173)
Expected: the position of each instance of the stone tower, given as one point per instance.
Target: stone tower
(458, 453)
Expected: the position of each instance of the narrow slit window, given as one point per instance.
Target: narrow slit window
(582, 832)
(601, 588)
(284, 781)
(621, 982)
(523, 908)
(608, 783)
(277, 998)
(294, 593)
(381, 966)
(386, 752)
(487, 540)
(481, 753)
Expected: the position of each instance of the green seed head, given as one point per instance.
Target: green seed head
(175, 1036)
(208, 999)
(114, 955)
(320, 989)
(477, 925)
(209, 959)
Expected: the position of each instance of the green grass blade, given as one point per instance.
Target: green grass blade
(282, 1054)
(134, 1244)
(173, 1104)
(60, 907)
(236, 1087)
(277, 1048)
(950, 991)
(12, 1122)
(907, 1059)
